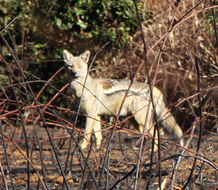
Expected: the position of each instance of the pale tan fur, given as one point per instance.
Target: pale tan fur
(105, 97)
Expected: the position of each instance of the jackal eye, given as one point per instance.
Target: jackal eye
(68, 66)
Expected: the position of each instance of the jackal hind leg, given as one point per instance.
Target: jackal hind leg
(146, 126)
(134, 123)
(151, 132)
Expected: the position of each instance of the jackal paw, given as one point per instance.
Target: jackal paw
(84, 145)
(98, 145)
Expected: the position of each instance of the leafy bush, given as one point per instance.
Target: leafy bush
(39, 30)
(99, 20)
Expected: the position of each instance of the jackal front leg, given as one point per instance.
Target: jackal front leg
(92, 124)
(88, 133)
(97, 131)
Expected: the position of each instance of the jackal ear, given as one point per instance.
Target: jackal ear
(67, 55)
(85, 56)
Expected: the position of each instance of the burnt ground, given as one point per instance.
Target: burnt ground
(104, 169)
(180, 40)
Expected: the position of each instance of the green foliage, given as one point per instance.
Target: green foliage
(212, 18)
(41, 29)
(99, 20)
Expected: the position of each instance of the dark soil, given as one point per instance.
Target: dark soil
(121, 165)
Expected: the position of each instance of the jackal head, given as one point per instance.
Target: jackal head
(77, 66)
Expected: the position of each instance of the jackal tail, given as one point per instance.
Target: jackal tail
(167, 121)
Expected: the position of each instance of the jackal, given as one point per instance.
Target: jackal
(117, 97)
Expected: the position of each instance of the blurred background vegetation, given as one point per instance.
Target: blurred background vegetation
(37, 31)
